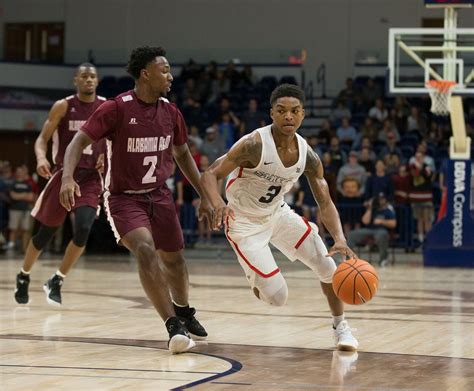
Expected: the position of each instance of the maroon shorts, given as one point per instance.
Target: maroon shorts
(154, 210)
(50, 212)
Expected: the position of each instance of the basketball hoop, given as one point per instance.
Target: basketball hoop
(440, 93)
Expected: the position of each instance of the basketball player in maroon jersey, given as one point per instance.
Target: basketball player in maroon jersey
(64, 120)
(145, 132)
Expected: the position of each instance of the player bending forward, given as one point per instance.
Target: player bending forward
(263, 166)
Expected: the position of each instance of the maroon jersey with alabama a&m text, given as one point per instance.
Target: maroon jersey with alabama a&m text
(141, 137)
(77, 114)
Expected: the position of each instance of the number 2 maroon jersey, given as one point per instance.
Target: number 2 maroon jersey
(78, 112)
(140, 140)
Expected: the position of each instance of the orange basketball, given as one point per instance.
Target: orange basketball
(355, 281)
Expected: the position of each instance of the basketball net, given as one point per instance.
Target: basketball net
(440, 93)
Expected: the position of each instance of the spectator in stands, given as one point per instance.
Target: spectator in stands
(195, 137)
(191, 91)
(378, 219)
(390, 146)
(392, 163)
(378, 112)
(224, 106)
(371, 92)
(368, 129)
(348, 94)
(192, 112)
(191, 70)
(421, 194)
(305, 201)
(4, 201)
(228, 126)
(422, 148)
(416, 122)
(247, 77)
(365, 160)
(330, 174)
(252, 119)
(338, 113)
(21, 195)
(388, 129)
(365, 142)
(400, 113)
(326, 132)
(220, 86)
(213, 145)
(338, 156)
(8, 176)
(401, 183)
(350, 204)
(313, 142)
(379, 182)
(211, 70)
(204, 87)
(346, 132)
(352, 169)
(359, 107)
(232, 74)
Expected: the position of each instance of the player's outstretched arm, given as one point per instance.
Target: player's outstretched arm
(69, 188)
(57, 112)
(245, 153)
(330, 217)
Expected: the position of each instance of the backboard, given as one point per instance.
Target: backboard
(417, 55)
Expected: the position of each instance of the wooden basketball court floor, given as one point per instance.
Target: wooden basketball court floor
(416, 334)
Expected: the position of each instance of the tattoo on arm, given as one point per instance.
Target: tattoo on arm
(248, 153)
(313, 165)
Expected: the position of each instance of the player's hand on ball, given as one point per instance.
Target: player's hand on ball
(343, 249)
(220, 216)
(69, 189)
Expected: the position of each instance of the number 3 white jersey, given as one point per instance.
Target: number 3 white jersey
(257, 192)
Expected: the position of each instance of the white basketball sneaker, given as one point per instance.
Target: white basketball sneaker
(180, 341)
(344, 338)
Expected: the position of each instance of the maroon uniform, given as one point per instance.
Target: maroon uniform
(47, 209)
(77, 114)
(140, 156)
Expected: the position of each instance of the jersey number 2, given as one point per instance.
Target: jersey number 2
(151, 161)
(272, 192)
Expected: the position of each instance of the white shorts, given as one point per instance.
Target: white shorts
(289, 233)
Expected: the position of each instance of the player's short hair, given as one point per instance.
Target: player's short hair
(84, 65)
(287, 90)
(141, 57)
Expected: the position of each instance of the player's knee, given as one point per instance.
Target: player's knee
(43, 236)
(277, 297)
(81, 234)
(144, 252)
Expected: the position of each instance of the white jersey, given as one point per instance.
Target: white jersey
(257, 192)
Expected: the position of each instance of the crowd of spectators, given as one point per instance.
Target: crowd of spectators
(369, 145)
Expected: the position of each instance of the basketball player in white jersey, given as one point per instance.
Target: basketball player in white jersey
(262, 167)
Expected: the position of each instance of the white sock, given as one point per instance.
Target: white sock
(60, 274)
(337, 319)
(180, 305)
(22, 271)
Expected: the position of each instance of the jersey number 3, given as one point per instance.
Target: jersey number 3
(272, 192)
(149, 176)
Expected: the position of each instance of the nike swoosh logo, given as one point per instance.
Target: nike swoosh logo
(265, 163)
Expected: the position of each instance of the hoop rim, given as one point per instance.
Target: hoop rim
(443, 86)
